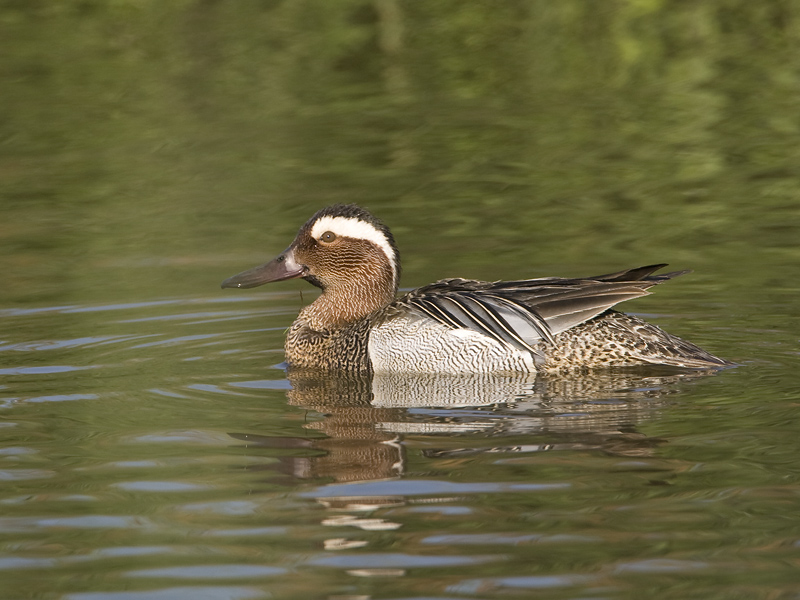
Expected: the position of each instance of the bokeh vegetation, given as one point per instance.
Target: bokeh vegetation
(149, 148)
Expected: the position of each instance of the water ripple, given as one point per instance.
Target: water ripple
(660, 565)
(160, 486)
(210, 572)
(396, 560)
(21, 524)
(177, 593)
(46, 370)
(534, 582)
(25, 474)
(411, 487)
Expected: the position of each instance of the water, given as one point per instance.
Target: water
(162, 453)
(151, 445)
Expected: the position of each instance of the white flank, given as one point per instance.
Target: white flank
(356, 229)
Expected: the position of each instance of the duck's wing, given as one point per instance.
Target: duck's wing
(504, 320)
(526, 312)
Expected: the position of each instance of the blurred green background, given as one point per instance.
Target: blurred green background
(149, 149)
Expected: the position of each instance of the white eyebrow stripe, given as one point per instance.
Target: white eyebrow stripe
(356, 229)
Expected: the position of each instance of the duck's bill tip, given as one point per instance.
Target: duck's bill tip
(278, 269)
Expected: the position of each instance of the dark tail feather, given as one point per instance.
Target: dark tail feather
(641, 274)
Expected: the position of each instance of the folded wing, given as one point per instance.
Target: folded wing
(528, 312)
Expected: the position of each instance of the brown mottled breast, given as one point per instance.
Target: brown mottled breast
(343, 348)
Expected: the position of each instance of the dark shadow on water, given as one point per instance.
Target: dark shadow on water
(368, 420)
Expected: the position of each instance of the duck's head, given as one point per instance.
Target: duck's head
(343, 250)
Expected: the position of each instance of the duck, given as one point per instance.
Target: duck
(358, 324)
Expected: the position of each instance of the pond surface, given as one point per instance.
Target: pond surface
(156, 450)
(152, 447)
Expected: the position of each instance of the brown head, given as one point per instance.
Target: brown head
(347, 253)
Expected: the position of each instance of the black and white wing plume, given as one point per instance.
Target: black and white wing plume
(502, 319)
(525, 313)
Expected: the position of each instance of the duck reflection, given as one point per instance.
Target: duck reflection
(368, 420)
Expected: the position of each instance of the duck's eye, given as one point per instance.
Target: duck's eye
(327, 237)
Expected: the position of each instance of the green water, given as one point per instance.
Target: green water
(152, 448)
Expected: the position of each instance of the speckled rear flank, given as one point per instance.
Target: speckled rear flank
(616, 339)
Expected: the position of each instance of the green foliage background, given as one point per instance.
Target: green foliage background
(150, 148)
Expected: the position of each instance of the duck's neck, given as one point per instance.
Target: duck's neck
(343, 304)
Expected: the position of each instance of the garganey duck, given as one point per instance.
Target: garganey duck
(456, 325)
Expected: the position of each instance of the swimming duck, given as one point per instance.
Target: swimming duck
(456, 325)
